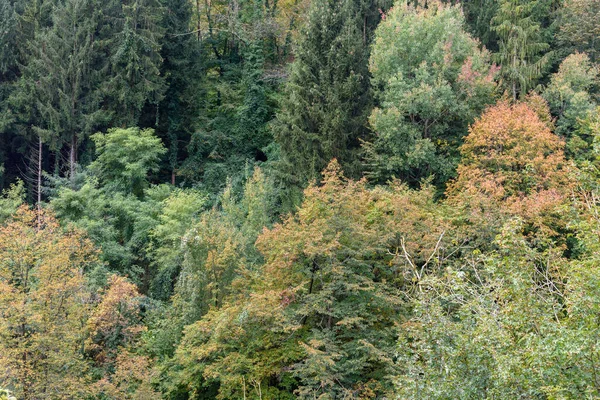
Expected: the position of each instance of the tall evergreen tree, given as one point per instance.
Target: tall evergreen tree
(56, 100)
(132, 43)
(63, 77)
(182, 70)
(522, 48)
(8, 35)
(327, 99)
(8, 70)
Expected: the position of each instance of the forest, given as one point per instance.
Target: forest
(299, 199)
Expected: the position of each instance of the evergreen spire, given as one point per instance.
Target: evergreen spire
(522, 46)
(327, 100)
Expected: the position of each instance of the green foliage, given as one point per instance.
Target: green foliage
(318, 318)
(570, 98)
(6, 394)
(522, 52)
(432, 81)
(115, 203)
(360, 291)
(181, 69)
(327, 97)
(490, 327)
(237, 91)
(11, 199)
(8, 35)
(579, 30)
(132, 43)
(179, 212)
(61, 78)
(125, 157)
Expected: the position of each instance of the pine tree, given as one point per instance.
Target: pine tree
(521, 44)
(327, 99)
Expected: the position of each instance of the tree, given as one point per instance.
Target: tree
(12, 198)
(578, 28)
(8, 36)
(327, 97)
(432, 81)
(63, 78)
(513, 165)
(115, 321)
(43, 305)
(569, 93)
(126, 157)
(181, 69)
(179, 212)
(318, 318)
(522, 49)
(8, 72)
(132, 44)
(115, 203)
(491, 326)
(115, 329)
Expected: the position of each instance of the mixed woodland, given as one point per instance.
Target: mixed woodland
(299, 199)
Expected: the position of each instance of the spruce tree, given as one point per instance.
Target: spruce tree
(182, 70)
(8, 71)
(131, 41)
(521, 44)
(8, 42)
(327, 100)
(62, 80)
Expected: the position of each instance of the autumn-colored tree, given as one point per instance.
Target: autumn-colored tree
(115, 329)
(131, 380)
(319, 316)
(115, 322)
(512, 165)
(43, 306)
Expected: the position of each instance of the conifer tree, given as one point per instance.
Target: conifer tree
(327, 99)
(8, 70)
(8, 34)
(132, 43)
(522, 48)
(181, 69)
(62, 78)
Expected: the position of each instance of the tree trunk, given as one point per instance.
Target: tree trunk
(39, 183)
(72, 157)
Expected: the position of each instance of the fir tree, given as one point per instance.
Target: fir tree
(62, 79)
(327, 99)
(182, 70)
(521, 44)
(132, 42)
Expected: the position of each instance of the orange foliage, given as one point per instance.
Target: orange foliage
(115, 321)
(132, 379)
(513, 165)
